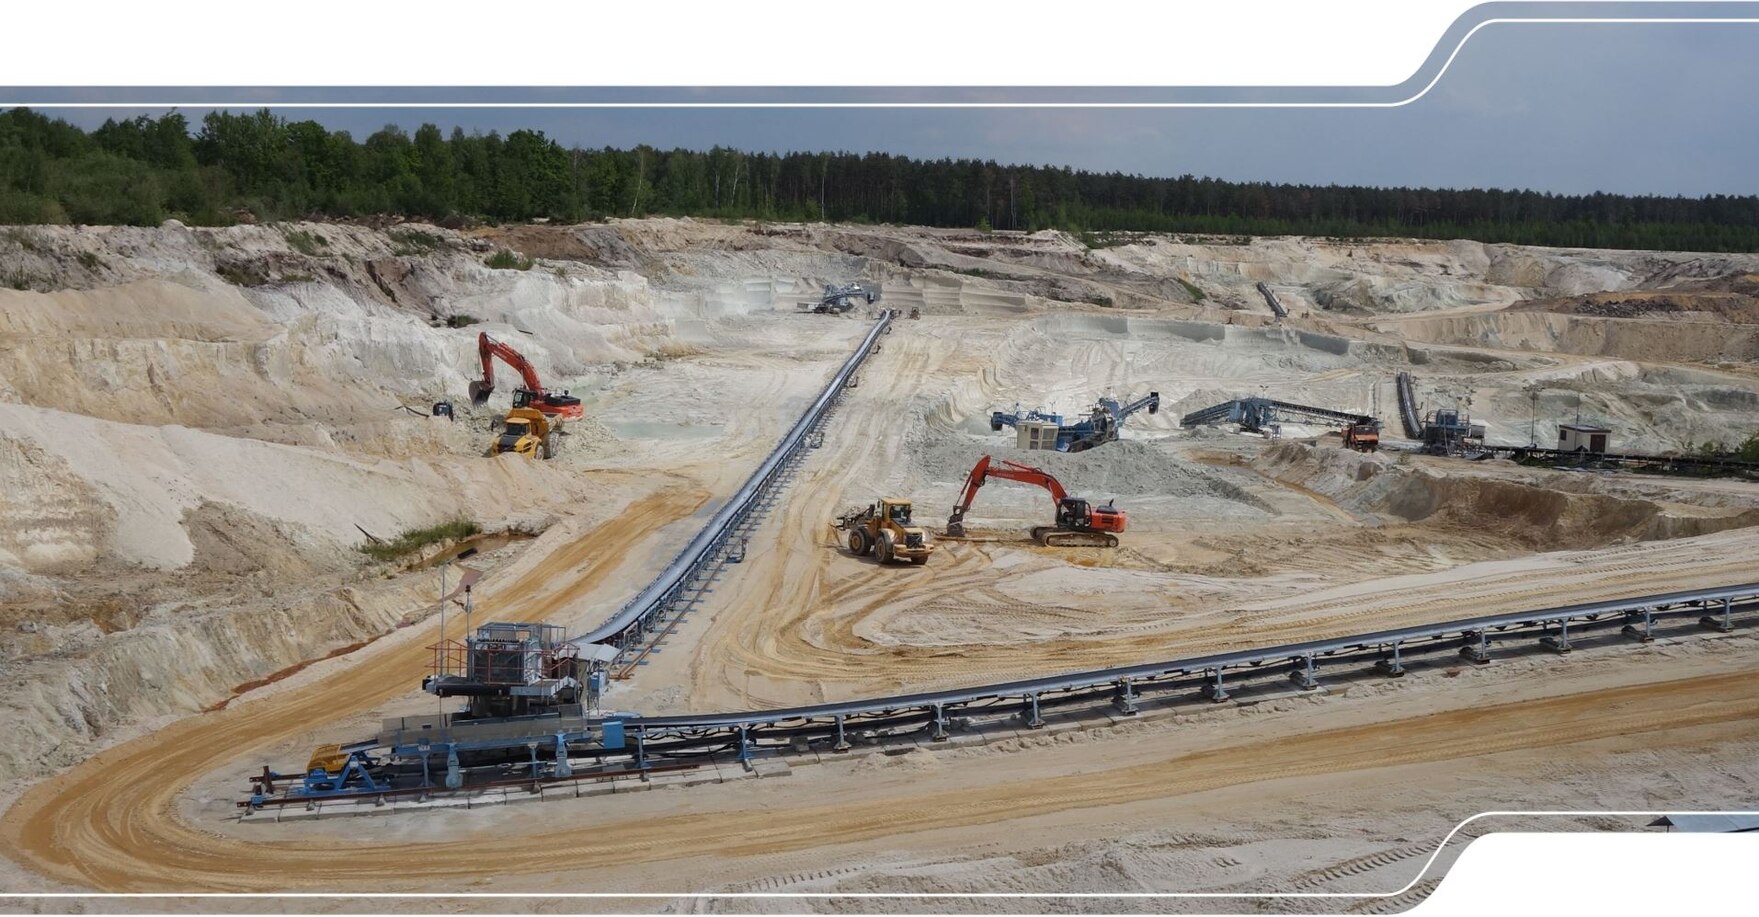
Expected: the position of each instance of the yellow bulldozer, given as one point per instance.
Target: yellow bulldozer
(885, 530)
(529, 432)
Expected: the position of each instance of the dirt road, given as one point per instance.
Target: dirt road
(123, 798)
(105, 826)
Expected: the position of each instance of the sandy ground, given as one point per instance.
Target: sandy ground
(190, 460)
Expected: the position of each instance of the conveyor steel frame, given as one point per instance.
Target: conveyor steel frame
(1256, 412)
(1408, 407)
(632, 619)
(1027, 695)
(1270, 299)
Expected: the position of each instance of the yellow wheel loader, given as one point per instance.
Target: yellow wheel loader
(885, 530)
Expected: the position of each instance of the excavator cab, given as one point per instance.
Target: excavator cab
(1077, 515)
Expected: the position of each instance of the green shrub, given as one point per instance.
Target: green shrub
(23, 240)
(241, 275)
(306, 243)
(461, 321)
(505, 260)
(90, 261)
(413, 540)
(416, 242)
(1191, 288)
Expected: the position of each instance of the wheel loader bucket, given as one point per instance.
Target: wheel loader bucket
(479, 393)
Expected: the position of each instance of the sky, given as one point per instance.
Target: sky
(1568, 108)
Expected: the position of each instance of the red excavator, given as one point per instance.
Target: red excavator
(1078, 521)
(530, 395)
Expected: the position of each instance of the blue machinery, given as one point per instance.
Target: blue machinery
(525, 683)
(838, 299)
(640, 741)
(1101, 425)
(1257, 414)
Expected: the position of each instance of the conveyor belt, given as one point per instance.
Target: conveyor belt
(1408, 407)
(1255, 413)
(1711, 602)
(626, 626)
(1271, 300)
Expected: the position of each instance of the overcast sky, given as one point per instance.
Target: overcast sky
(1668, 109)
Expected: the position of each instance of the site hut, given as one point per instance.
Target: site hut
(1578, 437)
(1036, 434)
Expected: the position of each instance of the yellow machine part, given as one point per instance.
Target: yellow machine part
(329, 757)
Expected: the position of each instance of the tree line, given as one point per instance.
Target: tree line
(143, 170)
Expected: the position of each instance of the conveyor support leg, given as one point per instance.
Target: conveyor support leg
(1305, 677)
(1125, 697)
(1391, 666)
(1478, 653)
(938, 726)
(1723, 624)
(454, 776)
(1559, 644)
(1214, 690)
(1647, 632)
(564, 769)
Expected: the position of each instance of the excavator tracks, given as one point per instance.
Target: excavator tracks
(1054, 537)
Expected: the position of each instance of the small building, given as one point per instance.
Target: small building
(1580, 437)
(1036, 434)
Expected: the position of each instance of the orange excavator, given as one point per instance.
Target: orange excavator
(1078, 521)
(530, 395)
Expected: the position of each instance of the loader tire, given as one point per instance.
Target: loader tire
(858, 542)
(884, 550)
(919, 561)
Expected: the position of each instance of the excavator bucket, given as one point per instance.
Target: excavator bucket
(479, 393)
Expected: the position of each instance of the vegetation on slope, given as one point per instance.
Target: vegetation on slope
(413, 540)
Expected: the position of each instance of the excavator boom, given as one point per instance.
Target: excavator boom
(532, 393)
(1076, 519)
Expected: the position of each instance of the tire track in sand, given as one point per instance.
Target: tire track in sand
(108, 825)
(106, 821)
